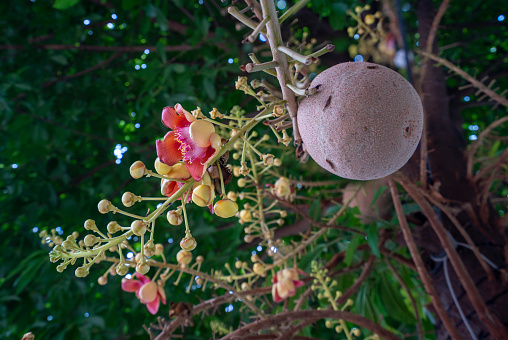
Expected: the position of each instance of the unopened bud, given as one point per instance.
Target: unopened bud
(128, 199)
(161, 168)
(245, 215)
(188, 243)
(225, 208)
(277, 162)
(184, 257)
(159, 249)
(90, 240)
(200, 259)
(149, 248)
(202, 195)
(259, 269)
(245, 286)
(81, 271)
(249, 238)
(102, 280)
(232, 196)
(174, 218)
(113, 227)
(369, 19)
(105, 206)
(90, 225)
(242, 182)
(138, 227)
(122, 269)
(137, 169)
(254, 258)
(142, 268)
(238, 264)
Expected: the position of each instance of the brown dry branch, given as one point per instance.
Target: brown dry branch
(420, 266)
(363, 276)
(435, 24)
(494, 326)
(314, 315)
(98, 48)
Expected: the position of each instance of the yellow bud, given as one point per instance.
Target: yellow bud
(232, 196)
(188, 243)
(245, 215)
(137, 169)
(81, 271)
(159, 249)
(245, 286)
(225, 208)
(90, 225)
(259, 269)
(242, 182)
(184, 257)
(238, 264)
(254, 258)
(248, 238)
(149, 248)
(142, 268)
(202, 195)
(128, 199)
(102, 280)
(161, 168)
(105, 206)
(138, 227)
(369, 19)
(357, 332)
(90, 240)
(277, 162)
(200, 259)
(200, 132)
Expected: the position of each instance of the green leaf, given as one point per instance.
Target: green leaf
(393, 301)
(306, 260)
(64, 4)
(209, 88)
(372, 240)
(315, 210)
(350, 252)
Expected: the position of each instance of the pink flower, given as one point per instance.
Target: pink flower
(284, 284)
(147, 291)
(193, 140)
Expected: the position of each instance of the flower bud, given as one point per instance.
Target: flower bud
(236, 171)
(90, 225)
(28, 336)
(278, 111)
(142, 268)
(245, 286)
(105, 206)
(248, 238)
(202, 195)
(238, 264)
(259, 269)
(174, 218)
(242, 182)
(149, 248)
(200, 259)
(138, 227)
(81, 271)
(159, 249)
(61, 267)
(200, 281)
(139, 258)
(254, 258)
(225, 208)
(128, 199)
(184, 257)
(232, 196)
(161, 168)
(357, 332)
(102, 280)
(188, 243)
(75, 234)
(113, 227)
(122, 269)
(148, 292)
(137, 169)
(277, 162)
(245, 215)
(90, 240)
(369, 19)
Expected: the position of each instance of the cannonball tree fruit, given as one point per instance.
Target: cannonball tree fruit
(364, 122)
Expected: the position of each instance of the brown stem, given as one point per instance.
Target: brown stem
(494, 326)
(420, 266)
(97, 48)
(363, 276)
(276, 320)
(435, 24)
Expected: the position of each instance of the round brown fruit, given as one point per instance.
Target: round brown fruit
(364, 122)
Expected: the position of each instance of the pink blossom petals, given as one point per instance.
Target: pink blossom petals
(168, 149)
(172, 120)
(153, 306)
(131, 286)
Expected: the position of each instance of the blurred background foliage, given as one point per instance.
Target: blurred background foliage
(83, 85)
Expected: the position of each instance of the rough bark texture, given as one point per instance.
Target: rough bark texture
(448, 166)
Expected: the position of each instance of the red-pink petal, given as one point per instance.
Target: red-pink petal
(168, 149)
(144, 279)
(172, 120)
(162, 294)
(298, 283)
(275, 294)
(153, 306)
(196, 169)
(131, 286)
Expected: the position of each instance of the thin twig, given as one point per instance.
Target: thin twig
(435, 24)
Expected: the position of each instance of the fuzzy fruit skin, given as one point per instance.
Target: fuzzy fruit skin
(364, 122)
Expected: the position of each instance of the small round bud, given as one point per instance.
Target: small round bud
(159, 249)
(200, 281)
(236, 156)
(128, 199)
(369, 19)
(242, 182)
(236, 171)
(283, 213)
(174, 217)
(254, 258)
(61, 267)
(200, 259)
(90, 240)
(138, 227)
(148, 292)
(338, 329)
(225, 208)
(142, 268)
(245, 215)
(75, 234)
(245, 286)
(102, 280)
(105, 206)
(137, 169)
(357, 332)
(122, 269)
(277, 162)
(249, 238)
(202, 195)
(113, 227)
(81, 271)
(328, 324)
(184, 257)
(139, 258)
(149, 248)
(188, 243)
(90, 225)
(28, 336)
(232, 196)
(259, 269)
(238, 264)
(161, 168)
